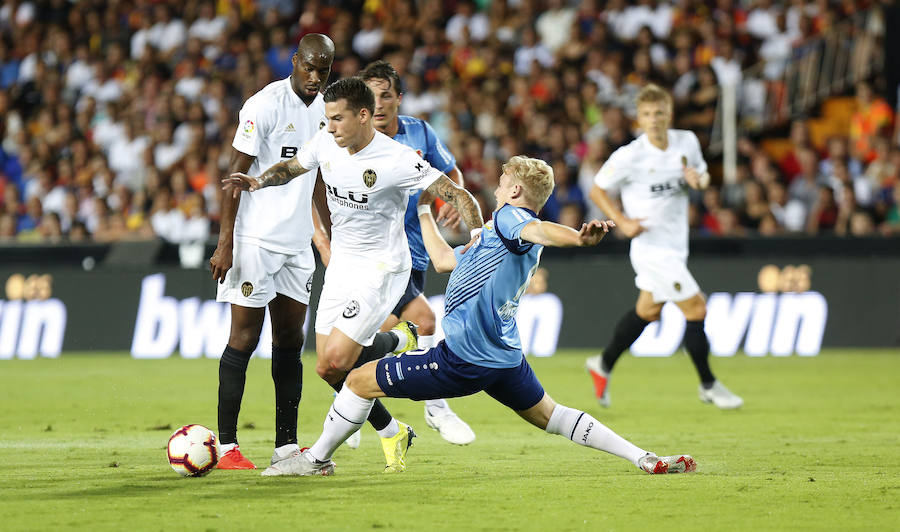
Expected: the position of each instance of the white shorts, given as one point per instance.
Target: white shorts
(668, 279)
(258, 274)
(357, 298)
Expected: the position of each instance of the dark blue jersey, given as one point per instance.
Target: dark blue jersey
(418, 135)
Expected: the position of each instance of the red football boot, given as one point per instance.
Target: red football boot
(600, 378)
(233, 459)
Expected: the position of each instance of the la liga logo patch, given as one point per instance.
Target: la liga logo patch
(249, 127)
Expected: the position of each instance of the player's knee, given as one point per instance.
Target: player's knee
(696, 311)
(244, 339)
(289, 339)
(697, 314)
(338, 359)
(329, 373)
(354, 382)
(426, 325)
(651, 314)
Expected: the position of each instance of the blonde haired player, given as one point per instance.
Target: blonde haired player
(481, 351)
(653, 173)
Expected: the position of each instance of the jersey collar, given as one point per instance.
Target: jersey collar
(290, 87)
(526, 209)
(401, 129)
(646, 140)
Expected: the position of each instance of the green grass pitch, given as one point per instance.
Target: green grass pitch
(82, 443)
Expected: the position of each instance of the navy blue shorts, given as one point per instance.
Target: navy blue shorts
(439, 374)
(415, 287)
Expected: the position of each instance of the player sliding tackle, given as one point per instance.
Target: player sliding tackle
(481, 350)
(368, 177)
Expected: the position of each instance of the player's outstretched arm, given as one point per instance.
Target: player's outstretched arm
(460, 198)
(277, 174)
(438, 249)
(561, 236)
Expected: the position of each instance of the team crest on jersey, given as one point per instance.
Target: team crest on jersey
(677, 287)
(352, 309)
(246, 288)
(369, 177)
(249, 126)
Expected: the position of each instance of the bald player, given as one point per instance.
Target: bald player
(264, 257)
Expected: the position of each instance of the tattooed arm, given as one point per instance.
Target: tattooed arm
(277, 174)
(460, 198)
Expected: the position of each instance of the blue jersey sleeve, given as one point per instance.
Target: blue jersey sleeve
(436, 153)
(458, 253)
(508, 223)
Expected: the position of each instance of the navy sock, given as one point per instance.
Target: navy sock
(384, 343)
(697, 346)
(628, 329)
(232, 376)
(287, 374)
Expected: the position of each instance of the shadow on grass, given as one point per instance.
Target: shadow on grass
(217, 486)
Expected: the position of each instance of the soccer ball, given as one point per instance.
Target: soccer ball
(193, 451)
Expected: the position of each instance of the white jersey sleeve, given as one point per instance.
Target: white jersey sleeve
(308, 157)
(695, 154)
(615, 171)
(253, 127)
(414, 172)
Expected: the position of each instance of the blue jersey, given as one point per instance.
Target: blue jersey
(418, 135)
(484, 289)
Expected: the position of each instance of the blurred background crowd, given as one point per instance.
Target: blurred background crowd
(117, 118)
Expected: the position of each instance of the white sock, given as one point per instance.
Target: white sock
(225, 447)
(436, 404)
(401, 341)
(347, 413)
(426, 341)
(583, 429)
(286, 450)
(391, 430)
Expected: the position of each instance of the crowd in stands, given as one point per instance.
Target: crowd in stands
(117, 118)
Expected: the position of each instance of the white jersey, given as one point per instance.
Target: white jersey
(367, 194)
(653, 187)
(274, 124)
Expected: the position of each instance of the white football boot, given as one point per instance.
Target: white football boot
(720, 396)
(449, 425)
(302, 465)
(661, 465)
(285, 452)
